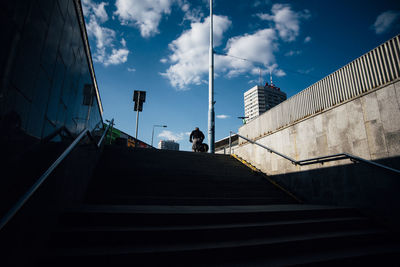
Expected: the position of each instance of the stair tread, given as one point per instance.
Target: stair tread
(203, 226)
(182, 209)
(322, 257)
(171, 247)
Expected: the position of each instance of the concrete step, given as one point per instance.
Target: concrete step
(366, 255)
(131, 235)
(205, 253)
(198, 200)
(149, 176)
(162, 215)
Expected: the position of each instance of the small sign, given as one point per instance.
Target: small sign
(139, 97)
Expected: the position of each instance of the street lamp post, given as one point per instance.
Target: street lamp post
(211, 115)
(152, 135)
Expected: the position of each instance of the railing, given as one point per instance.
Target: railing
(376, 68)
(323, 159)
(20, 203)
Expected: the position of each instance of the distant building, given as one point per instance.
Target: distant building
(222, 146)
(168, 144)
(259, 99)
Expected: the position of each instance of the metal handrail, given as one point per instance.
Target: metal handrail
(322, 159)
(20, 203)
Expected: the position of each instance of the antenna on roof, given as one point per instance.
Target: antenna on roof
(260, 79)
(270, 76)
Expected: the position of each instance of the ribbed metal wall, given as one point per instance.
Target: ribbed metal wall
(376, 68)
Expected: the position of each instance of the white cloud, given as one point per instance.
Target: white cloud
(168, 135)
(105, 38)
(242, 54)
(307, 39)
(222, 116)
(131, 69)
(279, 72)
(117, 56)
(292, 53)
(193, 15)
(189, 56)
(189, 52)
(144, 15)
(258, 47)
(274, 70)
(260, 3)
(97, 9)
(287, 21)
(306, 71)
(385, 21)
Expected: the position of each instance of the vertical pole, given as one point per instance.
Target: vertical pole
(137, 115)
(211, 115)
(230, 143)
(137, 123)
(152, 135)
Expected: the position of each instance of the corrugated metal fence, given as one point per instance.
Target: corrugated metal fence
(376, 68)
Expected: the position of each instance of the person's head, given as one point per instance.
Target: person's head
(197, 128)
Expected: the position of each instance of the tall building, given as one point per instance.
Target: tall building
(259, 99)
(168, 144)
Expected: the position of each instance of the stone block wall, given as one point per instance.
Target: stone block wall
(367, 126)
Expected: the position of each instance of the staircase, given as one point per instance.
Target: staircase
(148, 207)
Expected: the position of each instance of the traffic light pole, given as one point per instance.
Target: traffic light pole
(137, 116)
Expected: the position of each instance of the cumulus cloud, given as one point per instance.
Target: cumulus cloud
(192, 14)
(168, 135)
(258, 47)
(244, 54)
(385, 21)
(98, 10)
(189, 58)
(189, 52)
(222, 116)
(144, 15)
(105, 38)
(117, 56)
(287, 21)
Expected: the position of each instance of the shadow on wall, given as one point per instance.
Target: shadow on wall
(374, 191)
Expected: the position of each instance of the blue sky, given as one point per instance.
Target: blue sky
(161, 46)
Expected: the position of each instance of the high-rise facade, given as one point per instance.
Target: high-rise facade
(168, 144)
(259, 99)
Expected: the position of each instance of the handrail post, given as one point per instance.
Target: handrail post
(230, 143)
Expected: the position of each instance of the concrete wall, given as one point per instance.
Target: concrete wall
(367, 126)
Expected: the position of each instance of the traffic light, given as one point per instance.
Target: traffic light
(139, 97)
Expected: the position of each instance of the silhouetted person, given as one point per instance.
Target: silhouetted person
(197, 138)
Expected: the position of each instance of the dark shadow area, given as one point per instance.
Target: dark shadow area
(27, 233)
(373, 190)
